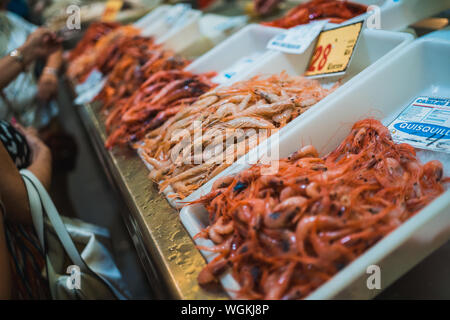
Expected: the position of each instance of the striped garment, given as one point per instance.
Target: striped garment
(15, 144)
(27, 263)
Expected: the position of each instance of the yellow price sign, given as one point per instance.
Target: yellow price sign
(334, 49)
(112, 7)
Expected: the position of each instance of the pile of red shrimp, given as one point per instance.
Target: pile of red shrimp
(160, 97)
(102, 54)
(127, 70)
(95, 31)
(284, 235)
(145, 83)
(335, 11)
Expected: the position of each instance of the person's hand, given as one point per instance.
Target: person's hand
(263, 7)
(40, 44)
(41, 156)
(47, 86)
(38, 148)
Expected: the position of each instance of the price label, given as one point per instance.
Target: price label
(240, 65)
(424, 124)
(94, 77)
(296, 40)
(91, 93)
(112, 7)
(87, 90)
(178, 14)
(334, 49)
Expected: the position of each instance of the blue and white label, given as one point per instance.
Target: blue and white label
(89, 95)
(178, 14)
(94, 77)
(90, 88)
(424, 124)
(297, 39)
(241, 65)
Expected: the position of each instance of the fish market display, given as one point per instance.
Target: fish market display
(135, 60)
(336, 11)
(161, 96)
(189, 149)
(103, 55)
(145, 84)
(284, 235)
(95, 31)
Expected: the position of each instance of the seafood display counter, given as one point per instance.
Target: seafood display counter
(167, 253)
(151, 97)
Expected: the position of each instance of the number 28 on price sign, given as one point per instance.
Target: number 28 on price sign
(334, 49)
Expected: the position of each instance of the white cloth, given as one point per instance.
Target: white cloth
(93, 273)
(14, 31)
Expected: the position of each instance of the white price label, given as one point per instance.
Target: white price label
(424, 124)
(296, 40)
(237, 67)
(88, 95)
(177, 14)
(94, 78)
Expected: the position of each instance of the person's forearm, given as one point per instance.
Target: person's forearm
(54, 61)
(10, 70)
(42, 168)
(11, 67)
(13, 191)
(5, 272)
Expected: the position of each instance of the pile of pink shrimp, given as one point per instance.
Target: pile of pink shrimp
(249, 109)
(284, 235)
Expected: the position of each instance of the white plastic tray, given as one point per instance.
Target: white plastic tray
(418, 69)
(250, 40)
(179, 38)
(212, 29)
(371, 47)
(176, 37)
(198, 34)
(217, 27)
(147, 22)
(396, 15)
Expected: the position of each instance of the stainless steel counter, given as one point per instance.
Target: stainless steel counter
(167, 253)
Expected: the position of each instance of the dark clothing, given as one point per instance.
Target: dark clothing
(16, 145)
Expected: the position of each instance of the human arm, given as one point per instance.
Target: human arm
(14, 197)
(12, 188)
(41, 162)
(40, 43)
(5, 271)
(48, 82)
